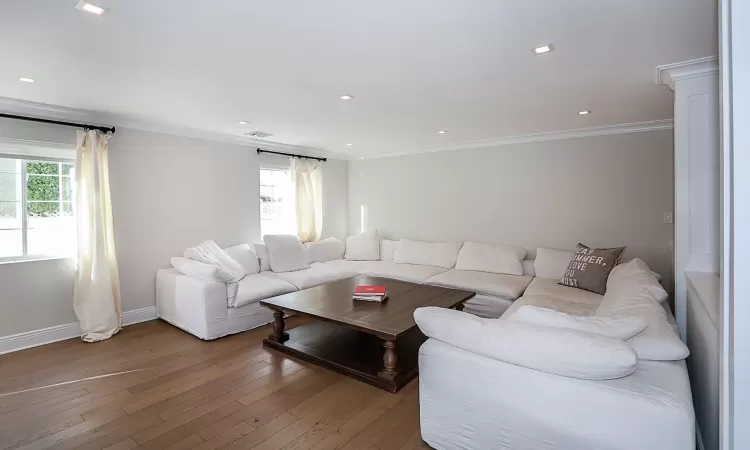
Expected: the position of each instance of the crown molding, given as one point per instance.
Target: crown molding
(43, 110)
(670, 73)
(46, 111)
(636, 127)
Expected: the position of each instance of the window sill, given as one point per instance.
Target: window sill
(25, 259)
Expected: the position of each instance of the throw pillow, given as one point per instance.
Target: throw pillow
(203, 271)
(286, 253)
(590, 267)
(244, 255)
(615, 327)
(363, 247)
(210, 253)
(559, 351)
(326, 250)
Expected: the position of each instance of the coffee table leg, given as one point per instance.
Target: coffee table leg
(278, 327)
(389, 361)
(460, 307)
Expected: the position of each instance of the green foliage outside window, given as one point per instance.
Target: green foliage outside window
(47, 188)
(42, 188)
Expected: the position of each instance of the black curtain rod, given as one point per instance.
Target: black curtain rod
(59, 122)
(291, 154)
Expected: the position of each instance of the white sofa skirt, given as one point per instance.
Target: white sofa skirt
(200, 307)
(508, 406)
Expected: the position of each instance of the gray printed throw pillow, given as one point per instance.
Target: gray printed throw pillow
(590, 267)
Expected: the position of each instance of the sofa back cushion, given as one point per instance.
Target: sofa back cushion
(327, 249)
(636, 273)
(440, 254)
(659, 341)
(286, 253)
(551, 263)
(559, 351)
(528, 267)
(387, 247)
(363, 247)
(244, 255)
(262, 251)
(479, 257)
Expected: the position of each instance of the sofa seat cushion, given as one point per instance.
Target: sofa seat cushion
(573, 308)
(549, 287)
(256, 287)
(487, 306)
(496, 284)
(344, 265)
(414, 273)
(315, 275)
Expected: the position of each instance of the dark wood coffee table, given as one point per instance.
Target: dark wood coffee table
(377, 343)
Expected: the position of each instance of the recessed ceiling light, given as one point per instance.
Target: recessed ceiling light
(442, 132)
(242, 122)
(348, 145)
(544, 49)
(26, 80)
(583, 113)
(346, 97)
(91, 8)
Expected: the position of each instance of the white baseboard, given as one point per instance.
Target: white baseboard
(138, 315)
(34, 338)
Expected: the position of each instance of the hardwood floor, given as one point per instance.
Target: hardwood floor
(154, 386)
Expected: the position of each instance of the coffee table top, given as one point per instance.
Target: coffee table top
(332, 302)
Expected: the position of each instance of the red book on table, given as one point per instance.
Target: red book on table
(369, 290)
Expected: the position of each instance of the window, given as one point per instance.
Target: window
(36, 208)
(276, 202)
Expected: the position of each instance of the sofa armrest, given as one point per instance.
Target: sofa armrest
(190, 303)
(569, 353)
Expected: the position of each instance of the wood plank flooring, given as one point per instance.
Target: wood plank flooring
(154, 386)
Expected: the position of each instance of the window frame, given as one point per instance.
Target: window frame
(37, 152)
(273, 167)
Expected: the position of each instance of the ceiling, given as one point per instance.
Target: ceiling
(414, 67)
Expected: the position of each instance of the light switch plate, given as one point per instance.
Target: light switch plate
(668, 217)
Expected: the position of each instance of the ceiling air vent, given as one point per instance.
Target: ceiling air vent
(258, 134)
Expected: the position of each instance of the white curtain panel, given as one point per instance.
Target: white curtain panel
(97, 285)
(308, 189)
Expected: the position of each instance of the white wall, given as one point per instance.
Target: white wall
(601, 191)
(168, 193)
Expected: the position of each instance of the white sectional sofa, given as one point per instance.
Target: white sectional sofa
(474, 396)
(201, 307)
(493, 376)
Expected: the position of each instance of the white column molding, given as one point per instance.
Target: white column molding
(734, 34)
(670, 74)
(696, 171)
